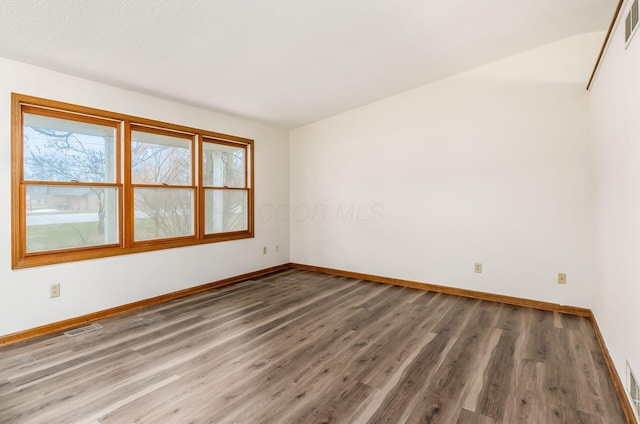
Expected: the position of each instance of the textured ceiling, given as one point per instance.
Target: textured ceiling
(284, 62)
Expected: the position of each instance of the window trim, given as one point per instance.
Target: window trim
(202, 188)
(125, 124)
(24, 184)
(131, 186)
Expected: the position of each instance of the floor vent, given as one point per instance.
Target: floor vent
(634, 390)
(82, 330)
(631, 22)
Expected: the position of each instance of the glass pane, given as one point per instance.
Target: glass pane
(163, 213)
(225, 210)
(160, 159)
(64, 217)
(223, 166)
(64, 150)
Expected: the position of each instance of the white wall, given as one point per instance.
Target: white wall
(615, 131)
(95, 285)
(488, 166)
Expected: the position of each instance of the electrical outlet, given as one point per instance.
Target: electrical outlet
(264, 250)
(277, 247)
(477, 268)
(54, 290)
(562, 278)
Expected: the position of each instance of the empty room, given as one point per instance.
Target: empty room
(304, 211)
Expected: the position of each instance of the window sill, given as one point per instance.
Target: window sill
(51, 258)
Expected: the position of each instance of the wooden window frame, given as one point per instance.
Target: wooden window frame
(248, 183)
(130, 203)
(124, 125)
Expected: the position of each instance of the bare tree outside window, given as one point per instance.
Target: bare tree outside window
(76, 154)
(161, 171)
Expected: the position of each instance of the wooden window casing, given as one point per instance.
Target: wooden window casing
(159, 186)
(122, 240)
(244, 187)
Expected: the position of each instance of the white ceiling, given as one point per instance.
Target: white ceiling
(284, 62)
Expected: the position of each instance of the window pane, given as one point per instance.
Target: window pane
(65, 150)
(225, 211)
(64, 217)
(223, 165)
(160, 159)
(163, 213)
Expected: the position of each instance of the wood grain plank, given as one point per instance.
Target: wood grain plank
(443, 396)
(468, 417)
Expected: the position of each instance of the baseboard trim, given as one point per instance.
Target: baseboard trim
(627, 408)
(547, 306)
(95, 316)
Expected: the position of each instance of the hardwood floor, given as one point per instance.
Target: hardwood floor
(301, 347)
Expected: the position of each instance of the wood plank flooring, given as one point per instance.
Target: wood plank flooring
(301, 347)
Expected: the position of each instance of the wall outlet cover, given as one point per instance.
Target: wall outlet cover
(54, 290)
(562, 278)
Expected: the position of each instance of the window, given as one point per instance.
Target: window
(70, 181)
(225, 187)
(162, 181)
(89, 183)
